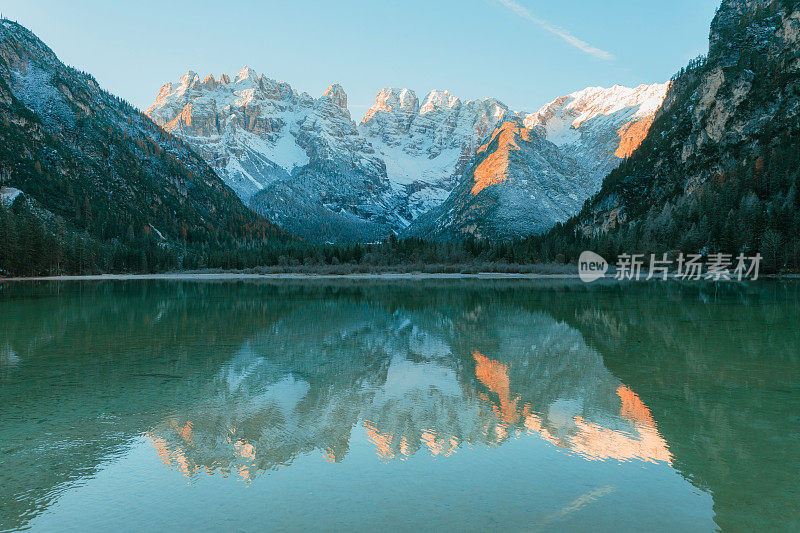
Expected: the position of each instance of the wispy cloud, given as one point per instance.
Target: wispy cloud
(525, 13)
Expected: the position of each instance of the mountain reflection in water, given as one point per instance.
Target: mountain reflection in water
(242, 380)
(419, 382)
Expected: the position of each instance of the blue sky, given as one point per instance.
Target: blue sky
(524, 52)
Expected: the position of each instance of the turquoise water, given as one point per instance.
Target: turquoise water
(395, 406)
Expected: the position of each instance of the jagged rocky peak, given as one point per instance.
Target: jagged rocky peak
(246, 74)
(261, 136)
(247, 78)
(301, 161)
(394, 100)
(573, 110)
(391, 114)
(194, 106)
(480, 118)
(163, 93)
(189, 78)
(437, 100)
(337, 95)
(536, 170)
(442, 121)
(426, 147)
(209, 83)
(517, 184)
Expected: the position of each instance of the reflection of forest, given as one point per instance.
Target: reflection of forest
(719, 367)
(243, 378)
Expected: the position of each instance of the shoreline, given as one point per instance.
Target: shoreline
(303, 276)
(293, 276)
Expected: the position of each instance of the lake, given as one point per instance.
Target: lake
(369, 405)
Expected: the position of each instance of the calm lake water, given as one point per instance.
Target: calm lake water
(146, 405)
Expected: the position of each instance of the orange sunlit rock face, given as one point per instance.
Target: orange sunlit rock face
(169, 457)
(633, 408)
(494, 168)
(631, 136)
(597, 443)
(382, 441)
(591, 441)
(495, 376)
(183, 119)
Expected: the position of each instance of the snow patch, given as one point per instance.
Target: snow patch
(8, 195)
(404, 376)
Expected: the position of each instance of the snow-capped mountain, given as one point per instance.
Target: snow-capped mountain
(539, 171)
(426, 147)
(599, 127)
(304, 163)
(298, 160)
(518, 184)
(236, 126)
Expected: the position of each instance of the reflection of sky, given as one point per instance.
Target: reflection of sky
(524, 484)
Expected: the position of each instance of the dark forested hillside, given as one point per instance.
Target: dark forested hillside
(720, 168)
(103, 188)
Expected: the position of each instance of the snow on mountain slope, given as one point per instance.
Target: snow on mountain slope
(599, 127)
(518, 184)
(304, 163)
(426, 147)
(262, 137)
(8, 195)
(538, 172)
(244, 128)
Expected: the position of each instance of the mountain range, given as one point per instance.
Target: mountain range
(220, 171)
(408, 167)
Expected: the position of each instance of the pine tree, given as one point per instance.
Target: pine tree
(771, 249)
